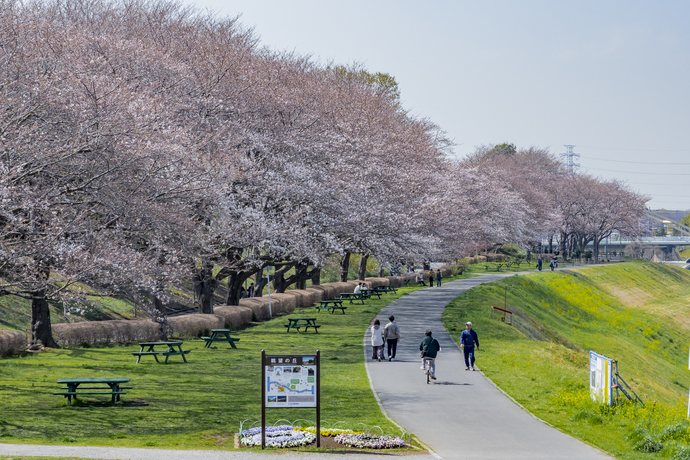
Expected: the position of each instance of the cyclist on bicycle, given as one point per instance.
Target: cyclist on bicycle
(429, 348)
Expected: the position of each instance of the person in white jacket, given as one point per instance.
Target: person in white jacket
(377, 340)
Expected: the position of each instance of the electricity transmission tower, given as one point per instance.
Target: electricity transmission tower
(570, 159)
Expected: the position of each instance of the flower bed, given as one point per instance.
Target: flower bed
(277, 436)
(327, 431)
(370, 441)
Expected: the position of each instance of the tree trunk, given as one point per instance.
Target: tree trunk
(382, 271)
(236, 279)
(279, 284)
(316, 279)
(204, 287)
(344, 266)
(301, 276)
(260, 285)
(161, 317)
(362, 271)
(40, 321)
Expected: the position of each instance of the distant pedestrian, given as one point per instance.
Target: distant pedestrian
(438, 278)
(392, 334)
(250, 291)
(243, 292)
(377, 340)
(431, 279)
(467, 340)
(552, 265)
(540, 262)
(420, 278)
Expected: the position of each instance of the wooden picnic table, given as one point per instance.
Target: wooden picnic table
(216, 337)
(371, 292)
(305, 322)
(386, 289)
(352, 296)
(151, 351)
(106, 386)
(330, 305)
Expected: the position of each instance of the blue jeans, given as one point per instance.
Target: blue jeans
(469, 355)
(438, 282)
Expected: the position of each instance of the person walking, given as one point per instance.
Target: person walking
(391, 334)
(430, 348)
(377, 340)
(431, 279)
(438, 278)
(467, 340)
(540, 261)
(250, 291)
(552, 264)
(420, 278)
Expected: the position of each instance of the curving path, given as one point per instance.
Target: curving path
(463, 415)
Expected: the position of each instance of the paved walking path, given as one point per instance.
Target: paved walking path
(463, 415)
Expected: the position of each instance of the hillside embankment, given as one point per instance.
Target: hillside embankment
(636, 313)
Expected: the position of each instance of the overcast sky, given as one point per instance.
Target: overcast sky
(611, 78)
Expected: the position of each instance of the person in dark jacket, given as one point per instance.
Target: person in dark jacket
(430, 348)
(467, 340)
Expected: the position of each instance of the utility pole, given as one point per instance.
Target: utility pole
(569, 157)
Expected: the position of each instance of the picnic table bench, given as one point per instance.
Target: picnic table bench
(352, 296)
(150, 351)
(385, 289)
(305, 322)
(370, 292)
(106, 386)
(215, 337)
(330, 305)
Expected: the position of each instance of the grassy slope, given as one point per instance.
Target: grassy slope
(635, 313)
(194, 405)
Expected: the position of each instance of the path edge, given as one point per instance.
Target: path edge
(378, 400)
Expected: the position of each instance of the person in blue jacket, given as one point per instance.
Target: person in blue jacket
(467, 339)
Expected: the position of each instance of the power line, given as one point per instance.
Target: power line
(635, 150)
(636, 162)
(640, 172)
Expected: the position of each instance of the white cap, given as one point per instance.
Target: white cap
(468, 323)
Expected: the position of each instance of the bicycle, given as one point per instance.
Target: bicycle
(427, 368)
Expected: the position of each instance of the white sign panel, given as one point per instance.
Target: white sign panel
(600, 378)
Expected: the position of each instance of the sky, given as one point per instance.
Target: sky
(611, 78)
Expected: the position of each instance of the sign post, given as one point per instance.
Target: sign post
(290, 381)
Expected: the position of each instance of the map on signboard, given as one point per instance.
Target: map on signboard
(291, 382)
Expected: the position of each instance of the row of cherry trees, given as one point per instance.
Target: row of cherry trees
(142, 142)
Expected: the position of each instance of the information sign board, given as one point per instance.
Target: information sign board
(290, 381)
(600, 378)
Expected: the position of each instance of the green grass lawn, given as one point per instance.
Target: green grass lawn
(636, 313)
(194, 405)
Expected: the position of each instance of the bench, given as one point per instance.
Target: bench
(352, 296)
(225, 333)
(306, 323)
(370, 292)
(106, 386)
(305, 326)
(171, 351)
